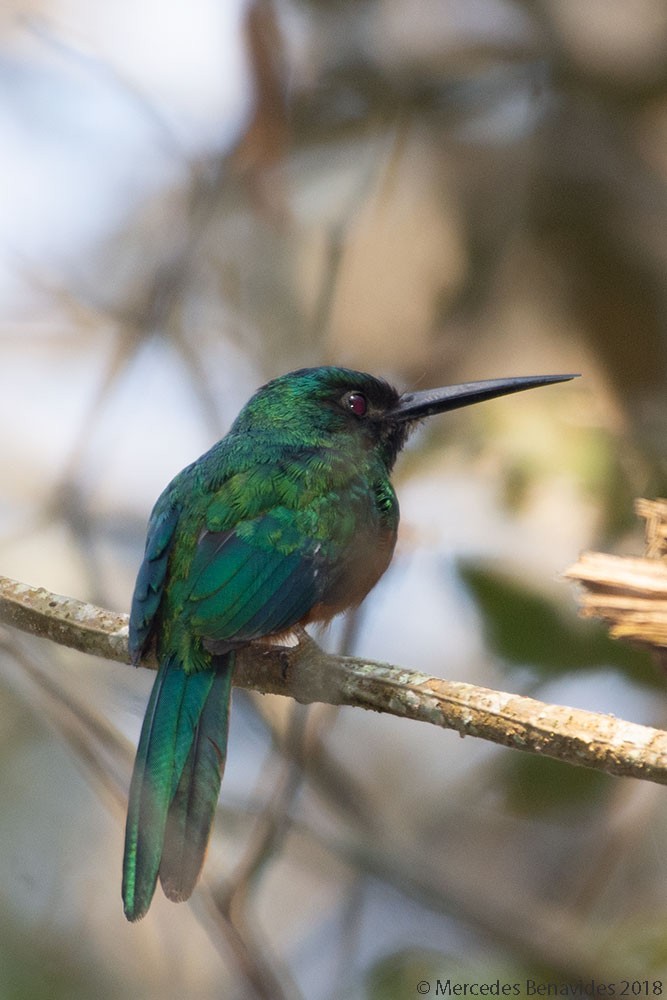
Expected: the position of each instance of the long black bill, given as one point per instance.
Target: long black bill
(415, 405)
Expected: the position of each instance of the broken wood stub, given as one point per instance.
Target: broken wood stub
(630, 593)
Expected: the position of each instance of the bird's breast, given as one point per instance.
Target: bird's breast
(358, 557)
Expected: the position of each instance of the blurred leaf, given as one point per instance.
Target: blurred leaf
(541, 785)
(400, 974)
(418, 972)
(644, 940)
(526, 629)
(36, 963)
(615, 484)
(395, 976)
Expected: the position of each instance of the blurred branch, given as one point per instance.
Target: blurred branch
(308, 674)
(630, 592)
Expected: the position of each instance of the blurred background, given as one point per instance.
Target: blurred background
(197, 197)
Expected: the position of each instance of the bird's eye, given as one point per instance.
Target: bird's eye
(356, 403)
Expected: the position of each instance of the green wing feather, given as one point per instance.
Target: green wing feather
(152, 574)
(259, 578)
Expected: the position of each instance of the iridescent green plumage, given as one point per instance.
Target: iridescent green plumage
(290, 518)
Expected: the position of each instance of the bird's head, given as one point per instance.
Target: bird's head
(314, 405)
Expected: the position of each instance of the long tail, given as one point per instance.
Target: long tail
(176, 782)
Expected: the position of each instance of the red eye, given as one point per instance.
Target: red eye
(356, 402)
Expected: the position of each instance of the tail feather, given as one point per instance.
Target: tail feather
(176, 708)
(194, 803)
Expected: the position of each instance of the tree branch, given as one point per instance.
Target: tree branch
(308, 674)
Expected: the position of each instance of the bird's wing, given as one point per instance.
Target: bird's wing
(150, 580)
(255, 579)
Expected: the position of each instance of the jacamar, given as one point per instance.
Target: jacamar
(289, 519)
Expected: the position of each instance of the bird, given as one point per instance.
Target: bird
(291, 518)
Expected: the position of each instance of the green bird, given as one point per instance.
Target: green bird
(289, 519)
